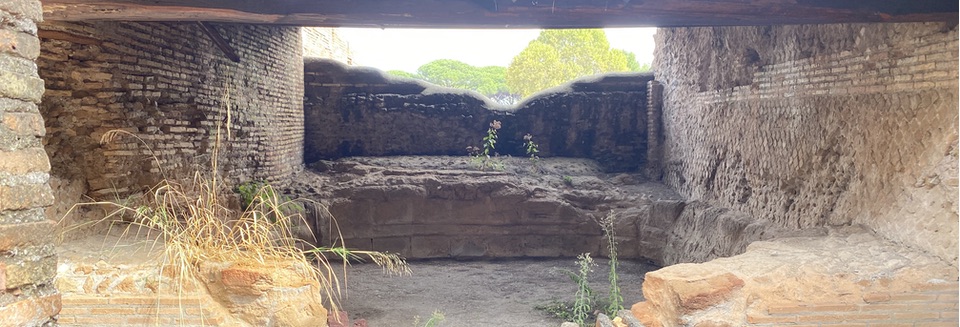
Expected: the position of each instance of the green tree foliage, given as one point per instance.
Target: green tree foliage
(400, 73)
(557, 56)
(489, 81)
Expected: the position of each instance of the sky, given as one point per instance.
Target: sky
(407, 49)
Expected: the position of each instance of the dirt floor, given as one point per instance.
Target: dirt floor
(471, 293)
(477, 293)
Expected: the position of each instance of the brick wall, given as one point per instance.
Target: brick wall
(814, 125)
(322, 42)
(28, 262)
(360, 112)
(168, 84)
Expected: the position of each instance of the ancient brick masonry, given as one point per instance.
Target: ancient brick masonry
(27, 260)
(360, 112)
(170, 86)
(806, 126)
(769, 130)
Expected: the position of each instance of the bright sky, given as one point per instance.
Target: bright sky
(407, 49)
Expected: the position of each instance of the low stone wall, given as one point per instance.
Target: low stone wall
(443, 207)
(28, 262)
(849, 278)
(361, 112)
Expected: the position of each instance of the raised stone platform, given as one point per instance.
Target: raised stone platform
(443, 207)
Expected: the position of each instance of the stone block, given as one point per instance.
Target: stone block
(22, 271)
(644, 312)
(19, 86)
(628, 318)
(19, 44)
(24, 124)
(24, 161)
(22, 216)
(35, 233)
(19, 197)
(27, 10)
(398, 245)
(31, 311)
(604, 321)
(430, 247)
(686, 288)
(13, 105)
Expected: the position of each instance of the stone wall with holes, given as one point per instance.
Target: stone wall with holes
(28, 262)
(803, 126)
(361, 112)
(172, 91)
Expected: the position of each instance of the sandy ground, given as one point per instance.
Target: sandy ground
(477, 293)
(471, 293)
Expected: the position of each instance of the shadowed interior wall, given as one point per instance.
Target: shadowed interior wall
(814, 125)
(361, 112)
(172, 87)
(28, 261)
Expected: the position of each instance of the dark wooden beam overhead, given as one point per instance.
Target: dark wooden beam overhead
(218, 39)
(508, 13)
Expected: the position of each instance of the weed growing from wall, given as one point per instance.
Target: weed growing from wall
(486, 156)
(532, 151)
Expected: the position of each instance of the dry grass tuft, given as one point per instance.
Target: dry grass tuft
(196, 225)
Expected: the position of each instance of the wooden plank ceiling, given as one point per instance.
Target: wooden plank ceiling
(508, 13)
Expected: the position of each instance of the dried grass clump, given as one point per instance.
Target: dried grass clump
(196, 225)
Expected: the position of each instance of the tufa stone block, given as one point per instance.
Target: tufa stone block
(23, 124)
(30, 311)
(27, 10)
(19, 44)
(19, 197)
(29, 271)
(24, 161)
(19, 86)
(36, 233)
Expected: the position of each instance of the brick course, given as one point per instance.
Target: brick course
(813, 125)
(168, 84)
(802, 127)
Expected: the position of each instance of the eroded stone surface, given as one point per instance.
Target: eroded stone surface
(846, 270)
(433, 207)
(812, 125)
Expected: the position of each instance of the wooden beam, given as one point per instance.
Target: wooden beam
(66, 36)
(508, 13)
(219, 41)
